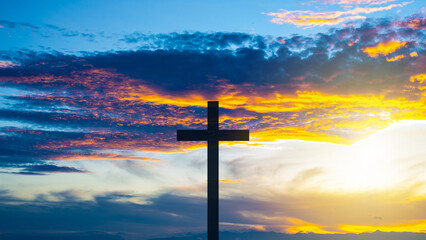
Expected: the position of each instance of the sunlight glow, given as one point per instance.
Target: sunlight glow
(369, 165)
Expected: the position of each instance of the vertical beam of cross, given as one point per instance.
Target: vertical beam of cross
(213, 170)
(212, 135)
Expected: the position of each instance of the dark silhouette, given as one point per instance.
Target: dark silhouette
(60, 236)
(213, 135)
(255, 235)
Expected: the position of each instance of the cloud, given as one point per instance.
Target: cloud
(232, 180)
(416, 22)
(58, 235)
(300, 236)
(310, 18)
(47, 30)
(420, 78)
(414, 54)
(396, 58)
(7, 64)
(104, 156)
(414, 226)
(357, 2)
(198, 40)
(322, 88)
(9, 24)
(287, 193)
(384, 48)
(41, 169)
(164, 214)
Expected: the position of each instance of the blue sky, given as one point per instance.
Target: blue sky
(108, 21)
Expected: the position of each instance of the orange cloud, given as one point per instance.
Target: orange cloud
(305, 227)
(396, 58)
(414, 23)
(384, 48)
(352, 42)
(309, 18)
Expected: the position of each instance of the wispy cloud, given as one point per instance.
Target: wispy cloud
(308, 18)
(358, 2)
(10, 24)
(47, 30)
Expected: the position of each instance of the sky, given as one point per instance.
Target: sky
(92, 93)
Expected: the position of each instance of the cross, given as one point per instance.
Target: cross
(213, 135)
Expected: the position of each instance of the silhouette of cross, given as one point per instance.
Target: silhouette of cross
(212, 135)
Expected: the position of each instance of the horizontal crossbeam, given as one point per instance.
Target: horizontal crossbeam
(192, 135)
(233, 135)
(203, 135)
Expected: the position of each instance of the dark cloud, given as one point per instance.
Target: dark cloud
(182, 62)
(42, 169)
(164, 214)
(117, 212)
(66, 215)
(254, 235)
(71, 106)
(196, 41)
(62, 236)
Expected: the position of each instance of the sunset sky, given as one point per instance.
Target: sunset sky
(92, 93)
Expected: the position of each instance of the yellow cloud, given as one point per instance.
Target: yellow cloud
(419, 77)
(269, 135)
(232, 180)
(384, 48)
(314, 116)
(418, 226)
(305, 227)
(396, 58)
